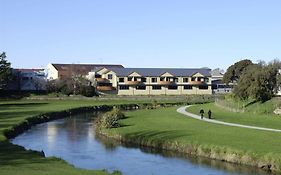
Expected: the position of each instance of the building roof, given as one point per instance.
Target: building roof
(216, 73)
(83, 68)
(155, 72)
(29, 70)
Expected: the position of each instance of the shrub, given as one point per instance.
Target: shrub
(110, 119)
(87, 91)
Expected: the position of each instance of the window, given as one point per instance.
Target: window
(124, 87)
(176, 80)
(97, 76)
(141, 87)
(193, 78)
(109, 76)
(121, 80)
(162, 78)
(154, 80)
(143, 80)
(156, 87)
(185, 80)
(187, 87)
(203, 87)
(206, 79)
(130, 78)
(173, 87)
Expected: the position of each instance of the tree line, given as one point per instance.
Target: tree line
(72, 85)
(259, 81)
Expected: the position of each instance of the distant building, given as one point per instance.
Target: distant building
(218, 86)
(152, 81)
(60, 71)
(29, 80)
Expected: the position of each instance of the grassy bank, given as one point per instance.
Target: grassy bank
(166, 129)
(16, 160)
(249, 117)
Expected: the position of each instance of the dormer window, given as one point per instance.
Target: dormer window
(109, 76)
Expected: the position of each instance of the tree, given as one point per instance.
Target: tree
(258, 82)
(5, 71)
(75, 85)
(234, 72)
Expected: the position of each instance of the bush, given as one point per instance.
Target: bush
(110, 119)
(87, 91)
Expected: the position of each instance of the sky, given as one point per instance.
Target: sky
(140, 33)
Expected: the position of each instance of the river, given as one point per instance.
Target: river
(73, 139)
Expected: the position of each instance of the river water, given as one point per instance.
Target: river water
(73, 139)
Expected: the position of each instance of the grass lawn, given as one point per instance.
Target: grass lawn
(247, 118)
(16, 160)
(168, 125)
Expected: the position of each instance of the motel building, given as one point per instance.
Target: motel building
(152, 81)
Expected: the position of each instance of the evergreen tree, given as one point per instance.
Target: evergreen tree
(5, 71)
(234, 72)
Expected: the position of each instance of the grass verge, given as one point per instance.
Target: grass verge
(16, 160)
(246, 118)
(166, 129)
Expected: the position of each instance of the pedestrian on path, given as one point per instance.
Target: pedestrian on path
(202, 113)
(210, 114)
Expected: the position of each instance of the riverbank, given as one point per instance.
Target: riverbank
(19, 115)
(249, 117)
(167, 130)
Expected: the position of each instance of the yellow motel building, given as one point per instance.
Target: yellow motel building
(152, 81)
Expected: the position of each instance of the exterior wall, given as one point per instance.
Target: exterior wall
(114, 79)
(164, 89)
(52, 72)
(137, 81)
(31, 80)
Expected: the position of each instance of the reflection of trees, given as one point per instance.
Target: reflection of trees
(77, 126)
(109, 145)
(205, 162)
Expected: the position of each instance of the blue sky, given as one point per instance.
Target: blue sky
(140, 33)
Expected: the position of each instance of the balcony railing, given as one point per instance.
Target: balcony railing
(197, 82)
(133, 83)
(166, 83)
(105, 88)
(102, 80)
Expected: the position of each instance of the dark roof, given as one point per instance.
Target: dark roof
(154, 72)
(83, 68)
(29, 70)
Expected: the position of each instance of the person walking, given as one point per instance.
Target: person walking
(210, 114)
(202, 113)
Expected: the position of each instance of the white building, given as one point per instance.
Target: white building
(31, 79)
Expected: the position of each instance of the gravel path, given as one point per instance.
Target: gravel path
(182, 110)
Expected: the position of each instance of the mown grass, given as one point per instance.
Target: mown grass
(249, 117)
(16, 160)
(164, 128)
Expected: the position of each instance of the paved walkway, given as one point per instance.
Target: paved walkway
(182, 110)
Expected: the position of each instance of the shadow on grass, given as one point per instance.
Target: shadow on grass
(9, 106)
(13, 114)
(250, 103)
(16, 155)
(154, 138)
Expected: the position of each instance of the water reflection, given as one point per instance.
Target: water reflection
(74, 140)
(201, 161)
